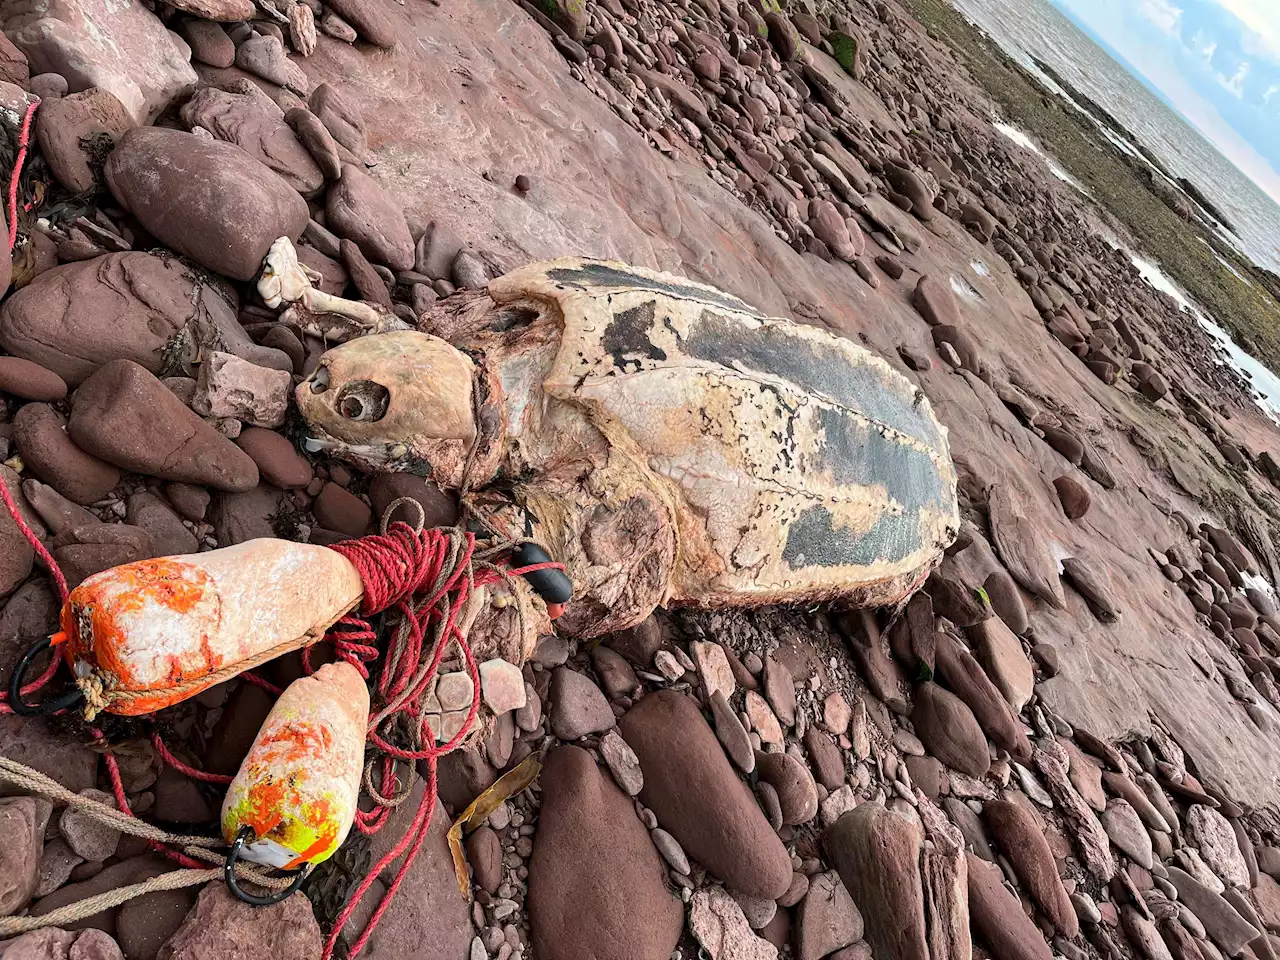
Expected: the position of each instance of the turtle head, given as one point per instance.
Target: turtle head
(393, 401)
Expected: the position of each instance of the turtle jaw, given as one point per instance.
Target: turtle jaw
(392, 456)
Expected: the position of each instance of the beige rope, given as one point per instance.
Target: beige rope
(83, 909)
(196, 847)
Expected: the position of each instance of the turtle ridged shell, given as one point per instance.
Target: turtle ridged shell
(803, 466)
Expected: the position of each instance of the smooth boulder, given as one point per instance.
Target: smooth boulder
(693, 790)
(124, 306)
(207, 199)
(125, 416)
(596, 881)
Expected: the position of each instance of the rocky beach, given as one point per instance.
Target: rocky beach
(1063, 745)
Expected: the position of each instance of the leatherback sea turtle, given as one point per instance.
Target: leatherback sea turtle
(663, 439)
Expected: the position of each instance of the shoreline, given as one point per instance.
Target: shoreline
(1120, 183)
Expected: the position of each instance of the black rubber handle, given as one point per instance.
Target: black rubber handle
(18, 680)
(229, 875)
(553, 586)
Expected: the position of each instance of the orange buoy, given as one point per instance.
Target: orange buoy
(297, 788)
(146, 635)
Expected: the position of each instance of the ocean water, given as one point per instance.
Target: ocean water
(1028, 29)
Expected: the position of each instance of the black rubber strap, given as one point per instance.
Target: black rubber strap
(18, 680)
(229, 875)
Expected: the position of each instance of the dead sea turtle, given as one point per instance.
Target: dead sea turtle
(663, 439)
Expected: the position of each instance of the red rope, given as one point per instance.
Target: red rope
(24, 140)
(183, 768)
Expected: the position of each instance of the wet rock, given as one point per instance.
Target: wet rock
(936, 303)
(828, 919)
(794, 785)
(16, 555)
(717, 922)
(577, 706)
(124, 415)
(949, 730)
(133, 306)
(1000, 653)
(358, 209)
(244, 120)
(20, 853)
(61, 126)
(208, 41)
(369, 20)
(596, 882)
(691, 787)
(1125, 828)
(340, 510)
(1023, 842)
(204, 198)
(278, 462)
(1224, 925)
(221, 925)
(123, 48)
(877, 854)
(40, 436)
(30, 381)
(998, 918)
(1073, 495)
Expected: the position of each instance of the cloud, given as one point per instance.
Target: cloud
(1261, 34)
(1164, 15)
(1234, 84)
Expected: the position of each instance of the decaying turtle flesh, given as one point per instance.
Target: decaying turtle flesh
(663, 439)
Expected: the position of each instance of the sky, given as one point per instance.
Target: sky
(1217, 62)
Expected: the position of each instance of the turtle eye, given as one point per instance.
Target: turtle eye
(364, 401)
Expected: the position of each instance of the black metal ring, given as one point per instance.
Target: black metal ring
(18, 680)
(229, 875)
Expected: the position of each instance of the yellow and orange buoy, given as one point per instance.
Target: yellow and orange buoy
(297, 788)
(146, 635)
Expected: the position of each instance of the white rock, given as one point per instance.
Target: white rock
(713, 667)
(762, 719)
(502, 685)
(1212, 833)
(717, 922)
